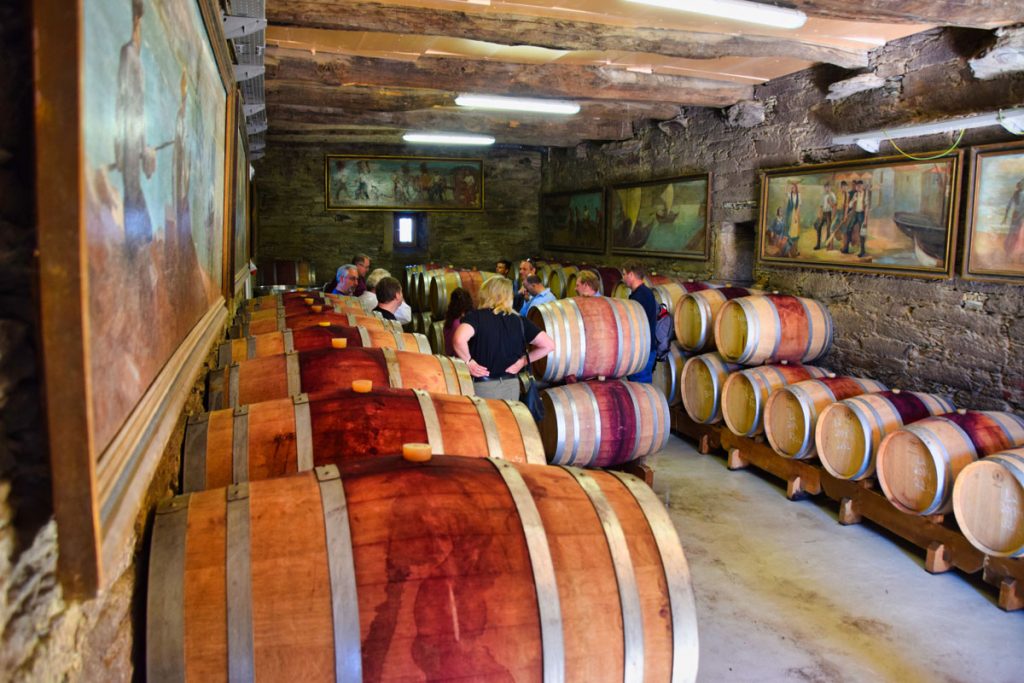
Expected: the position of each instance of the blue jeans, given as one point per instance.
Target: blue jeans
(647, 374)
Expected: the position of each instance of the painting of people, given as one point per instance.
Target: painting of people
(153, 131)
(573, 221)
(886, 215)
(661, 217)
(358, 183)
(241, 223)
(994, 248)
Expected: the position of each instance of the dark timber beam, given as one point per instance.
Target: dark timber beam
(966, 13)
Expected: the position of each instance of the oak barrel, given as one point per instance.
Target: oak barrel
(848, 432)
(593, 336)
(319, 337)
(669, 293)
(666, 374)
(279, 299)
(701, 383)
(988, 501)
(597, 424)
(288, 435)
(436, 337)
(291, 307)
(696, 312)
(544, 269)
(421, 322)
(918, 464)
(303, 320)
(443, 284)
(420, 290)
(562, 275)
(773, 328)
(290, 374)
(791, 413)
(745, 393)
(452, 569)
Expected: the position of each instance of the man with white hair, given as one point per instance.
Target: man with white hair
(348, 280)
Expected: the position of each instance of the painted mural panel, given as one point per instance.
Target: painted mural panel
(994, 248)
(360, 183)
(887, 215)
(573, 221)
(153, 127)
(241, 230)
(661, 217)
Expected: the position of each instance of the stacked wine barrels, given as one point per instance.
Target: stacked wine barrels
(988, 501)
(443, 284)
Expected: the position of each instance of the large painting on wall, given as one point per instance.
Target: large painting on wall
(994, 246)
(893, 214)
(369, 183)
(240, 240)
(661, 217)
(573, 221)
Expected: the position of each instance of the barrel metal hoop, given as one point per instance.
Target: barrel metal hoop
(224, 355)
(618, 370)
(399, 342)
(303, 433)
(233, 381)
(1004, 421)
(548, 603)
(554, 371)
(625, 576)
(250, 347)
(574, 415)
(348, 661)
(636, 413)
(490, 427)
(165, 602)
(942, 474)
(682, 604)
(435, 437)
(1012, 463)
(449, 371)
(238, 570)
(571, 303)
(193, 475)
(351, 320)
(289, 341)
(240, 445)
(659, 409)
(293, 375)
(364, 337)
(555, 395)
(532, 445)
(861, 409)
(394, 372)
(705, 314)
(465, 378)
(282, 324)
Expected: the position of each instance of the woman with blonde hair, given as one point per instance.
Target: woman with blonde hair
(496, 343)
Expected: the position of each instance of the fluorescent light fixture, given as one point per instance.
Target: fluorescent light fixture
(1010, 119)
(449, 138)
(736, 10)
(517, 104)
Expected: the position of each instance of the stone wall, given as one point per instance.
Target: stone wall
(293, 223)
(910, 333)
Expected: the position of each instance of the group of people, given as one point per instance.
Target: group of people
(376, 290)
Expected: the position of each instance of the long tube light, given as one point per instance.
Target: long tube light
(870, 141)
(449, 138)
(528, 104)
(736, 10)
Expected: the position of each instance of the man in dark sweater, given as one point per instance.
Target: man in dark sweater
(633, 275)
(389, 297)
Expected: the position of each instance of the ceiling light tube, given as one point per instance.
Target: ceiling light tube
(736, 10)
(528, 104)
(1010, 119)
(449, 138)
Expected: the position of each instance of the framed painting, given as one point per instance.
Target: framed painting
(573, 221)
(891, 215)
(994, 245)
(240, 205)
(661, 217)
(370, 183)
(133, 147)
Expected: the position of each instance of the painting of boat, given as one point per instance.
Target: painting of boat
(661, 217)
(929, 237)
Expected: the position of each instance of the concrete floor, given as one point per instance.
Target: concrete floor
(785, 593)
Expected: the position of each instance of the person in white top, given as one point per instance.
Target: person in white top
(368, 299)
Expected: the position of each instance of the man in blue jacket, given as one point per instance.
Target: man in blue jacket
(539, 294)
(633, 275)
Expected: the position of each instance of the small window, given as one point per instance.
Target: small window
(408, 229)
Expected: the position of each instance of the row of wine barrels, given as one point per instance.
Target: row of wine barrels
(436, 337)
(452, 569)
(667, 375)
(544, 269)
(669, 293)
(421, 322)
(593, 337)
(279, 299)
(561, 276)
(597, 424)
(696, 312)
(988, 501)
(420, 288)
(701, 384)
(442, 286)
(290, 374)
(791, 413)
(607, 276)
(303, 320)
(848, 432)
(407, 280)
(287, 273)
(773, 328)
(319, 337)
(745, 392)
(280, 437)
(292, 307)
(918, 464)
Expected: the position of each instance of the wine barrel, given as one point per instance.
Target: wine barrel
(701, 383)
(988, 501)
(773, 328)
(848, 432)
(622, 291)
(442, 286)
(279, 299)
(421, 322)
(666, 375)
(791, 413)
(288, 435)
(669, 293)
(290, 374)
(696, 312)
(451, 569)
(544, 269)
(436, 337)
(286, 273)
(561, 277)
(744, 393)
(918, 464)
(309, 338)
(597, 424)
(292, 307)
(409, 283)
(593, 336)
(421, 291)
(303, 320)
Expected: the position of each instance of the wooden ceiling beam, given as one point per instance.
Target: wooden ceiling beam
(973, 14)
(502, 78)
(556, 34)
